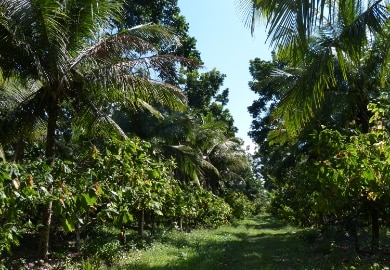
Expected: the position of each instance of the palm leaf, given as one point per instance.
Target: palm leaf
(15, 100)
(188, 160)
(344, 49)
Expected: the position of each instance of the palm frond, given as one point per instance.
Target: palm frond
(293, 23)
(228, 156)
(355, 37)
(130, 89)
(344, 48)
(306, 93)
(34, 30)
(130, 44)
(188, 160)
(15, 100)
(87, 18)
(250, 14)
(209, 167)
(123, 66)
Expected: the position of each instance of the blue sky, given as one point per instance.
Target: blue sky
(226, 44)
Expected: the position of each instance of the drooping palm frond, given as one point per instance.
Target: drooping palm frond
(287, 21)
(305, 93)
(188, 160)
(87, 19)
(120, 70)
(208, 133)
(229, 154)
(131, 44)
(20, 114)
(250, 14)
(97, 70)
(292, 24)
(341, 46)
(34, 31)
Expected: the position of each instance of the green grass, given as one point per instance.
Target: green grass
(261, 242)
(256, 243)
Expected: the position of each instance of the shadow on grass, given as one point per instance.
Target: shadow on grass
(255, 249)
(261, 222)
(261, 242)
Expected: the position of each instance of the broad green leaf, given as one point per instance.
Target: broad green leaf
(90, 201)
(127, 217)
(68, 225)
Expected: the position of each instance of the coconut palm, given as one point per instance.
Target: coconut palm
(62, 49)
(339, 48)
(208, 155)
(322, 39)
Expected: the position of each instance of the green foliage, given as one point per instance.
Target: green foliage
(341, 179)
(329, 55)
(356, 169)
(213, 212)
(106, 183)
(206, 98)
(161, 12)
(199, 207)
(59, 90)
(106, 253)
(241, 206)
(19, 197)
(132, 180)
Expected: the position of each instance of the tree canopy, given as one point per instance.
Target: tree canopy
(98, 124)
(320, 100)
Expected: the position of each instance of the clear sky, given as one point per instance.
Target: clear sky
(226, 44)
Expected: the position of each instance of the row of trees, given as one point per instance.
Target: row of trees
(95, 128)
(321, 120)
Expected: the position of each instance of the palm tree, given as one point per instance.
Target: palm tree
(61, 48)
(335, 45)
(208, 155)
(322, 39)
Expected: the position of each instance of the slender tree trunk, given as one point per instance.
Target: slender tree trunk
(181, 223)
(2, 154)
(19, 151)
(78, 235)
(355, 236)
(52, 111)
(141, 222)
(153, 225)
(374, 229)
(45, 231)
(122, 235)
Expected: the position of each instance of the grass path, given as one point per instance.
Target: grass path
(256, 243)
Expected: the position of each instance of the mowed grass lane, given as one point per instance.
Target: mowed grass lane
(260, 242)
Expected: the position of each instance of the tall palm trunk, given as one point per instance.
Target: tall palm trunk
(52, 111)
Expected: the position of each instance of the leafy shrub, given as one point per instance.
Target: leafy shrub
(218, 213)
(102, 249)
(212, 211)
(18, 197)
(109, 252)
(240, 204)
